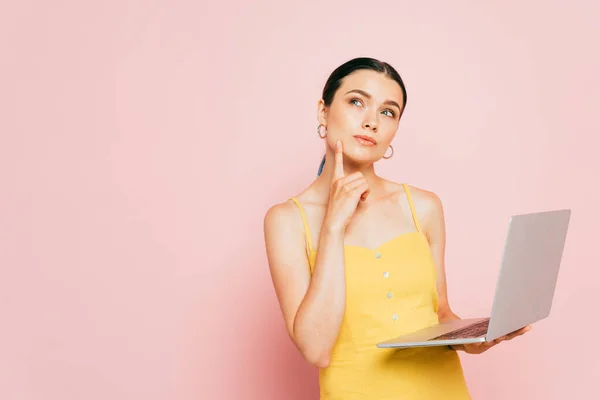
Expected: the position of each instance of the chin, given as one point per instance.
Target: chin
(361, 155)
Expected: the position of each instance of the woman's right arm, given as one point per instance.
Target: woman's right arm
(312, 306)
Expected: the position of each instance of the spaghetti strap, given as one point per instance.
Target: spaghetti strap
(412, 207)
(306, 230)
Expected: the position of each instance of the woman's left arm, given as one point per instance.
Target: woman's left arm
(434, 227)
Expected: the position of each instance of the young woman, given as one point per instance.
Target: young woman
(356, 259)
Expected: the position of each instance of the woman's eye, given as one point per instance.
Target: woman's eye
(356, 102)
(390, 112)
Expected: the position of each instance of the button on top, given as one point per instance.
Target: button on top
(377, 255)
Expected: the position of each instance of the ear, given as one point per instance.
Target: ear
(321, 112)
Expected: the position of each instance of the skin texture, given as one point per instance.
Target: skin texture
(349, 204)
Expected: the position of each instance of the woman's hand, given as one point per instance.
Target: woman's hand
(346, 192)
(478, 348)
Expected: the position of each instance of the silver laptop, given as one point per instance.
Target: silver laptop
(524, 291)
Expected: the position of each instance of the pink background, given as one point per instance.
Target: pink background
(142, 142)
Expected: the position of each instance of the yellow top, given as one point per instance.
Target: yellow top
(390, 290)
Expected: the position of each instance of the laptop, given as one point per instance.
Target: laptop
(524, 291)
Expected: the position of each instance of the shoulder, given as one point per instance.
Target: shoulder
(284, 215)
(425, 200)
(430, 212)
(283, 231)
(428, 206)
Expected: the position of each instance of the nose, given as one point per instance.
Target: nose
(370, 122)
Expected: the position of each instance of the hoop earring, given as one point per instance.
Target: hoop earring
(319, 131)
(390, 156)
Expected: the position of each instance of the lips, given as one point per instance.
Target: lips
(367, 140)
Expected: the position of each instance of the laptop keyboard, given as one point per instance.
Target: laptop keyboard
(477, 329)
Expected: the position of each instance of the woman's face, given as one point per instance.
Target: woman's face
(363, 115)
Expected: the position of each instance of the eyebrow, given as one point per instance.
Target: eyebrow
(368, 96)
